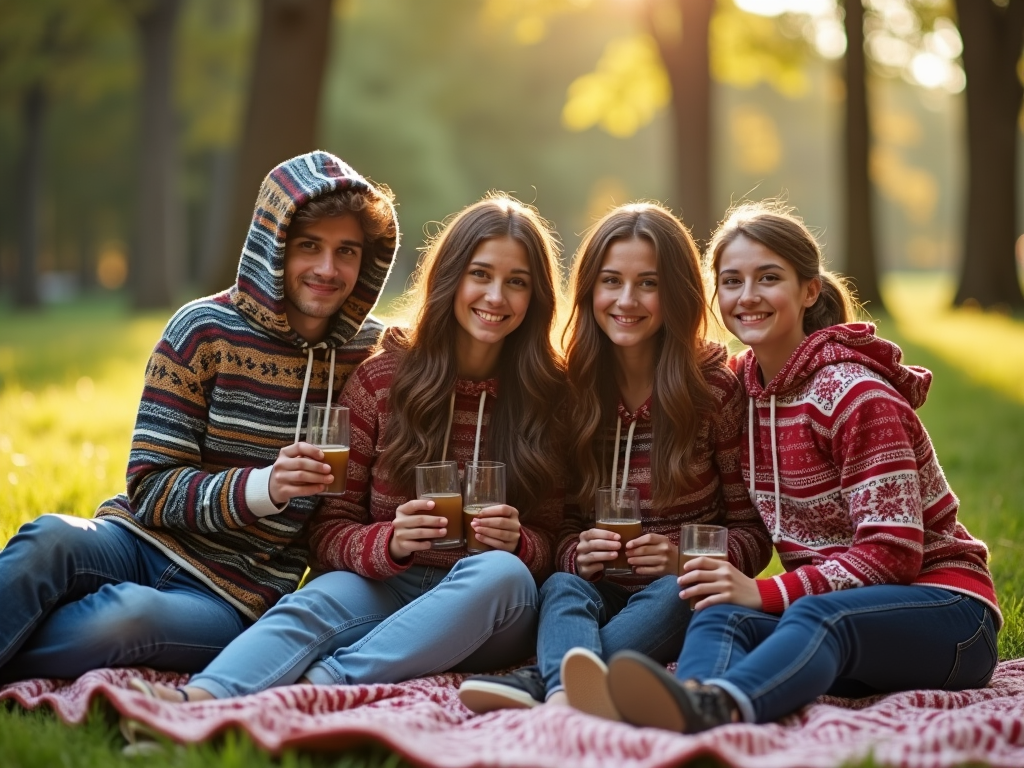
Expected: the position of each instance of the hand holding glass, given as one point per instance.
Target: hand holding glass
(702, 541)
(438, 481)
(485, 487)
(618, 510)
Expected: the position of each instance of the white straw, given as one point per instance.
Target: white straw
(625, 463)
(479, 421)
(615, 461)
(330, 395)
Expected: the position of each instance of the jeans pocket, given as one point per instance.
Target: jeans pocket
(976, 658)
(169, 573)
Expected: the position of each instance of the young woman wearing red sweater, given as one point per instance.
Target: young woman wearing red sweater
(653, 406)
(884, 590)
(476, 373)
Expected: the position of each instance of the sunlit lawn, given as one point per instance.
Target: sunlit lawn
(70, 379)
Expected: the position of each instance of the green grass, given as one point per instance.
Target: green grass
(70, 380)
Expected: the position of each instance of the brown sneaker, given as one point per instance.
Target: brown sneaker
(647, 695)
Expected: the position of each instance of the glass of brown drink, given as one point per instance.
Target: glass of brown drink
(328, 430)
(438, 482)
(702, 541)
(485, 487)
(618, 510)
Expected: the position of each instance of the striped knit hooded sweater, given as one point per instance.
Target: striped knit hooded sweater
(222, 397)
(845, 475)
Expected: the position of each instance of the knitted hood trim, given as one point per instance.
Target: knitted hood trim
(258, 292)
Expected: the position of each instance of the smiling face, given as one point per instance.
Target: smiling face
(763, 300)
(494, 292)
(321, 266)
(627, 306)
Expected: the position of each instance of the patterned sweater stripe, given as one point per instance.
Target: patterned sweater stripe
(353, 532)
(221, 398)
(718, 497)
(863, 498)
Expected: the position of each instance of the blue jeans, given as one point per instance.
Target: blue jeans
(347, 629)
(856, 642)
(82, 594)
(605, 618)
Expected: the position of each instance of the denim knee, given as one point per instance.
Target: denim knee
(562, 583)
(503, 568)
(57, 535)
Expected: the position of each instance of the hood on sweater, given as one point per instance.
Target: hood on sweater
(258, 292)
(850, 343)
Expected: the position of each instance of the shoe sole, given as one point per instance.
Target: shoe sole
(585, 677)
(643, 692)
(481, 697)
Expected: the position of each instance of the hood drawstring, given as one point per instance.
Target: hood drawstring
(777, 533)
(479, 425)
(629, 448)
(305, 391)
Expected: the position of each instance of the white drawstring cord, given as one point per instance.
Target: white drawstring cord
(625, 463)
(777, 536)
(750, 447)
(615, 460)
(305, 389)
(330, 396)
(448, 429)
(479, 422)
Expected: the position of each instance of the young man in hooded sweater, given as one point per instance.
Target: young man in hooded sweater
(211, 531)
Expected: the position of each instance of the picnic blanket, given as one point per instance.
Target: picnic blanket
(424, 721)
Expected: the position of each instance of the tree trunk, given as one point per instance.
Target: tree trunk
(993, 36)
(156, 273)
(284, 105)
(684, 50)
(26, 284)
(861, 259)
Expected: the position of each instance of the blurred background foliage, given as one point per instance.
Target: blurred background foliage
(565, 103)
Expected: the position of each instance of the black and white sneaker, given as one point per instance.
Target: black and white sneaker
(521, 689)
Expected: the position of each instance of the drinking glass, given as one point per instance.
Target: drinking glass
(328, 430)
(618, 510)
(438, 481)
(702, 541)
(485, 487)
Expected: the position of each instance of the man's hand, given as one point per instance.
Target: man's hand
(298, 471)
(596, 548)
(497, 527)
(652, 555)
(711, 581)
(414, 528)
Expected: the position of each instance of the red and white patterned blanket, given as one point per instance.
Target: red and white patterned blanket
(423, 721)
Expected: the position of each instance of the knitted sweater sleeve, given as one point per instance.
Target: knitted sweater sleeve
(750, 546)
(344, 535)
(167, 484)
(872, 446)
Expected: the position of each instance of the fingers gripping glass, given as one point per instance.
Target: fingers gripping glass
(618, 510)
(438, 482)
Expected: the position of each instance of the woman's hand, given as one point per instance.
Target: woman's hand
(652, 555)
(596, 547)
(299, 470)
(711, 581)
(414, 528)
(497, 527)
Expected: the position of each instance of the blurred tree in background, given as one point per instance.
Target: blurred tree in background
(574, 105)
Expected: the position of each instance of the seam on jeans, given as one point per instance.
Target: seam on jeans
(270, 679)
(980, 633)
(819, 636)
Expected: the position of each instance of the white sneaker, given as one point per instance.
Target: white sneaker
(585, 678)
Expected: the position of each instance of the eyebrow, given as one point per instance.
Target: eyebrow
(485, 265)
(318, 239)
(762, 268)
(649, 273)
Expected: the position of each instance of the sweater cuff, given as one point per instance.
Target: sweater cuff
(257, 493)
(771, 595)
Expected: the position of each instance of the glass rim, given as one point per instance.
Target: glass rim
(436, 464)
(328, 408)
(486, 464)
(708, 527)
(617, 489)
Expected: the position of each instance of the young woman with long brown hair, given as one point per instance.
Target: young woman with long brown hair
(884, 590)
(653, 406)
(477, 373)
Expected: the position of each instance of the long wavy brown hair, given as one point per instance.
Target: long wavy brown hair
(524, 430)
(682, 397)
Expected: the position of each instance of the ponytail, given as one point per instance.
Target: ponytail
(835, 304)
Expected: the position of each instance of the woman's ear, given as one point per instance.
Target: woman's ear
(812, 289)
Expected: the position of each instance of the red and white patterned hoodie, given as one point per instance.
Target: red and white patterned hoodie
(846, 478)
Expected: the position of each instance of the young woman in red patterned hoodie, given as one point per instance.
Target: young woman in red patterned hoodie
(476, 374)
(884, 590)
(653, 406)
